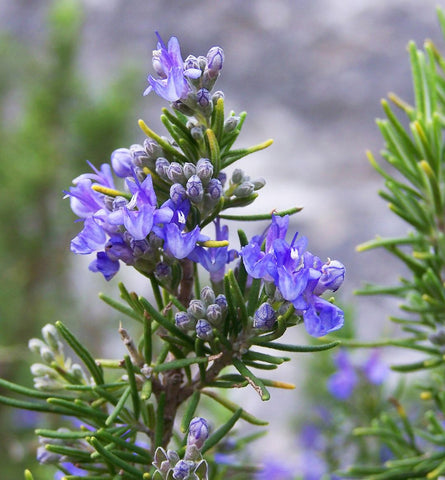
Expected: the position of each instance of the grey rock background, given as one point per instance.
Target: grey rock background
(310, 74)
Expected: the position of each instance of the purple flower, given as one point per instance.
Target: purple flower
(72, 470)
(169, 65)
(214, 260)
(122, 162)
(178, 243)
(103, 264)
(296, 273)
(342, 383)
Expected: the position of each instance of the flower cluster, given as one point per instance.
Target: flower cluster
(204, 314)
(299, 276)
(185, 83)
(192, 467)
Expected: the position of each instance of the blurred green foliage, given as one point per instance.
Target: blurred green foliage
(50, 124)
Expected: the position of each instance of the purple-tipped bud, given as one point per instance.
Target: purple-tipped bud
(207, 295)
(230, 124)
(215, 189)
(204, 170)
(183, 469)
(191, 62)
(244, 190)
(203, 99)
(161, 167)
(184, 321)
(215, 61)
(195, 190)
(175, 173)
(222, 302)
(177, 193)
(332, 276)
(237, 176)
(265, 317)
(214, 314)
(122, 162)
(153, 149)
(140, 156)
(196, 309)
(189, 169)
(222, 177)
(198, 432)
(204, 329)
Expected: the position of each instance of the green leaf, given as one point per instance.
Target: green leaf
(300, 348)
(256, 383)
(120, 307)
(82, 352)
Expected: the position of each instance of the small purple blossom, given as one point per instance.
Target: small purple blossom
(374, 369)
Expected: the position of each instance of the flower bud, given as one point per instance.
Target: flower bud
(189, 169)
(47, 355)
(177, 193)
(258, 183)
(215, 60)
(175, 173)
(51, 336)
(216, 96)
(265, 317)
(197, 133)
(41, 370)
(204, 329)
(184, 321)
(140, 157)
(215, 189)
(244, 190)
(231, 123)
(204, 170)
(122, 162)
(196, 309)
(204, 101)
(332, 276)
(35, 345)
(207, 295)
(202, 62)
(222, 302)
(153, 149)
(214, 314)
(163, 272)
(222, 177)
(161, 167)
(183, 469)
(195, 190)
(76, 371)
(198, 432)
(237, 176)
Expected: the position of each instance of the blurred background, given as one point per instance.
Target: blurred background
(310, 74)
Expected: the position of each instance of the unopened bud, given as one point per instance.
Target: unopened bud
(204, 170)
(258, 183)
(177, 193)
(215, 60)
(189, 169)
(175, 173)
(214, 189)
(244, 190)
(207, 295)
(197, 133)
(184, 321)
(198, 432)
(122, 162)
(196, 309)
(237, 176)
(161, 167)
(195, 190)
(204, 329)
(265, 317)
(231, 123)
(183, 469)
(51, 336)
(214, 314)
(35, 345)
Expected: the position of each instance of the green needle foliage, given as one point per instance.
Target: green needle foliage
(414, 176)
